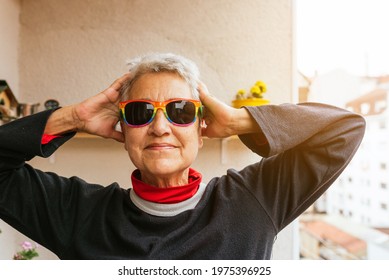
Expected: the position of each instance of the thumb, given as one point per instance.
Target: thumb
(210, 103)
(203, 92)
(118, 136)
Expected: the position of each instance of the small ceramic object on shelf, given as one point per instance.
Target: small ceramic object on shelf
(51, 104)
(8, 103)
(26, 109)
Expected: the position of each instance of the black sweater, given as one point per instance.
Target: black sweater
(237, 217)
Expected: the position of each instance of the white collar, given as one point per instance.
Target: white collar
(167, 210)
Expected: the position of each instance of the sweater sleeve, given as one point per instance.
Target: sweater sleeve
(21, 139)
(42, 205)
(308, 146)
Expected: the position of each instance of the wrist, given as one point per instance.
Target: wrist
(61, 121)
(244, 123)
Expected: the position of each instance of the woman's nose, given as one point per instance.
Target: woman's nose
(160, 124)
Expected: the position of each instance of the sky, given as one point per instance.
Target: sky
(348, 34)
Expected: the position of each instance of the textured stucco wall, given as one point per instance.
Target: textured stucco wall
(71, 49)
(9, 34)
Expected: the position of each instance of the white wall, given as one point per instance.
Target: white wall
(9, 34)
(71, 49)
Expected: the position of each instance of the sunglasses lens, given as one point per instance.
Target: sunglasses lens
(138, 113)
(181, 112)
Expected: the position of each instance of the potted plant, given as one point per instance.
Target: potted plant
(28, 251)
(253, 98)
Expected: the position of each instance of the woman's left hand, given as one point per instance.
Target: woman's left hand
(222, 120)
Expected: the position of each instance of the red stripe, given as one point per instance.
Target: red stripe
(46, 138)
(166, 195)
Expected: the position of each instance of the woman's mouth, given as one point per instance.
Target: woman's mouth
(160, 146)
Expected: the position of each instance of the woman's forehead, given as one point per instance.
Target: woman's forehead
(163, 85)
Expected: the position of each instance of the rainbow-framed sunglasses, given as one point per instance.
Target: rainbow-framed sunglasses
(179, 111)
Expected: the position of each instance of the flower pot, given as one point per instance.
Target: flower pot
(238, 103)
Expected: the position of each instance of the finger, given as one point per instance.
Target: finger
(112, 93)
(203, 91)
(206, 98)
(202, 88)
(118, 83)
(118, 136)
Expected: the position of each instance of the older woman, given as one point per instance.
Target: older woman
(169, 213)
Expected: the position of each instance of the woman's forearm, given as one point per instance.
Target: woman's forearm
(244, 123)
(61, 121)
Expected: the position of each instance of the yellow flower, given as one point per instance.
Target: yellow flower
(256, 92)
(240, 94)
(262, 86)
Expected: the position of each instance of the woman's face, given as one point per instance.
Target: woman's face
(162, 150)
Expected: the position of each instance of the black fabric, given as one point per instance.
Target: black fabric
(238, 217)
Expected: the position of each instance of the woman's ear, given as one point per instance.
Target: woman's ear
(201, 125)
(123, 130)
(200, 141)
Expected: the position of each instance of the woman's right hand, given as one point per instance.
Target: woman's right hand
(96, 115)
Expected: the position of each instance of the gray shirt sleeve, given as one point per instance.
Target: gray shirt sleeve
(306, 148)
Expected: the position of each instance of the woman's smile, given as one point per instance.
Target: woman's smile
(160, 146)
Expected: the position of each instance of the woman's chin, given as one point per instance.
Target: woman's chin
(165, 169)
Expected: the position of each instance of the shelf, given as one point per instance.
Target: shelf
(83, 135)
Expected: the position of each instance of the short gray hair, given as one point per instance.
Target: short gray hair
(163, 62)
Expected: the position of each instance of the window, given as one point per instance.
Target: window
(380, 106)
(382, 124)
(365, 108)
